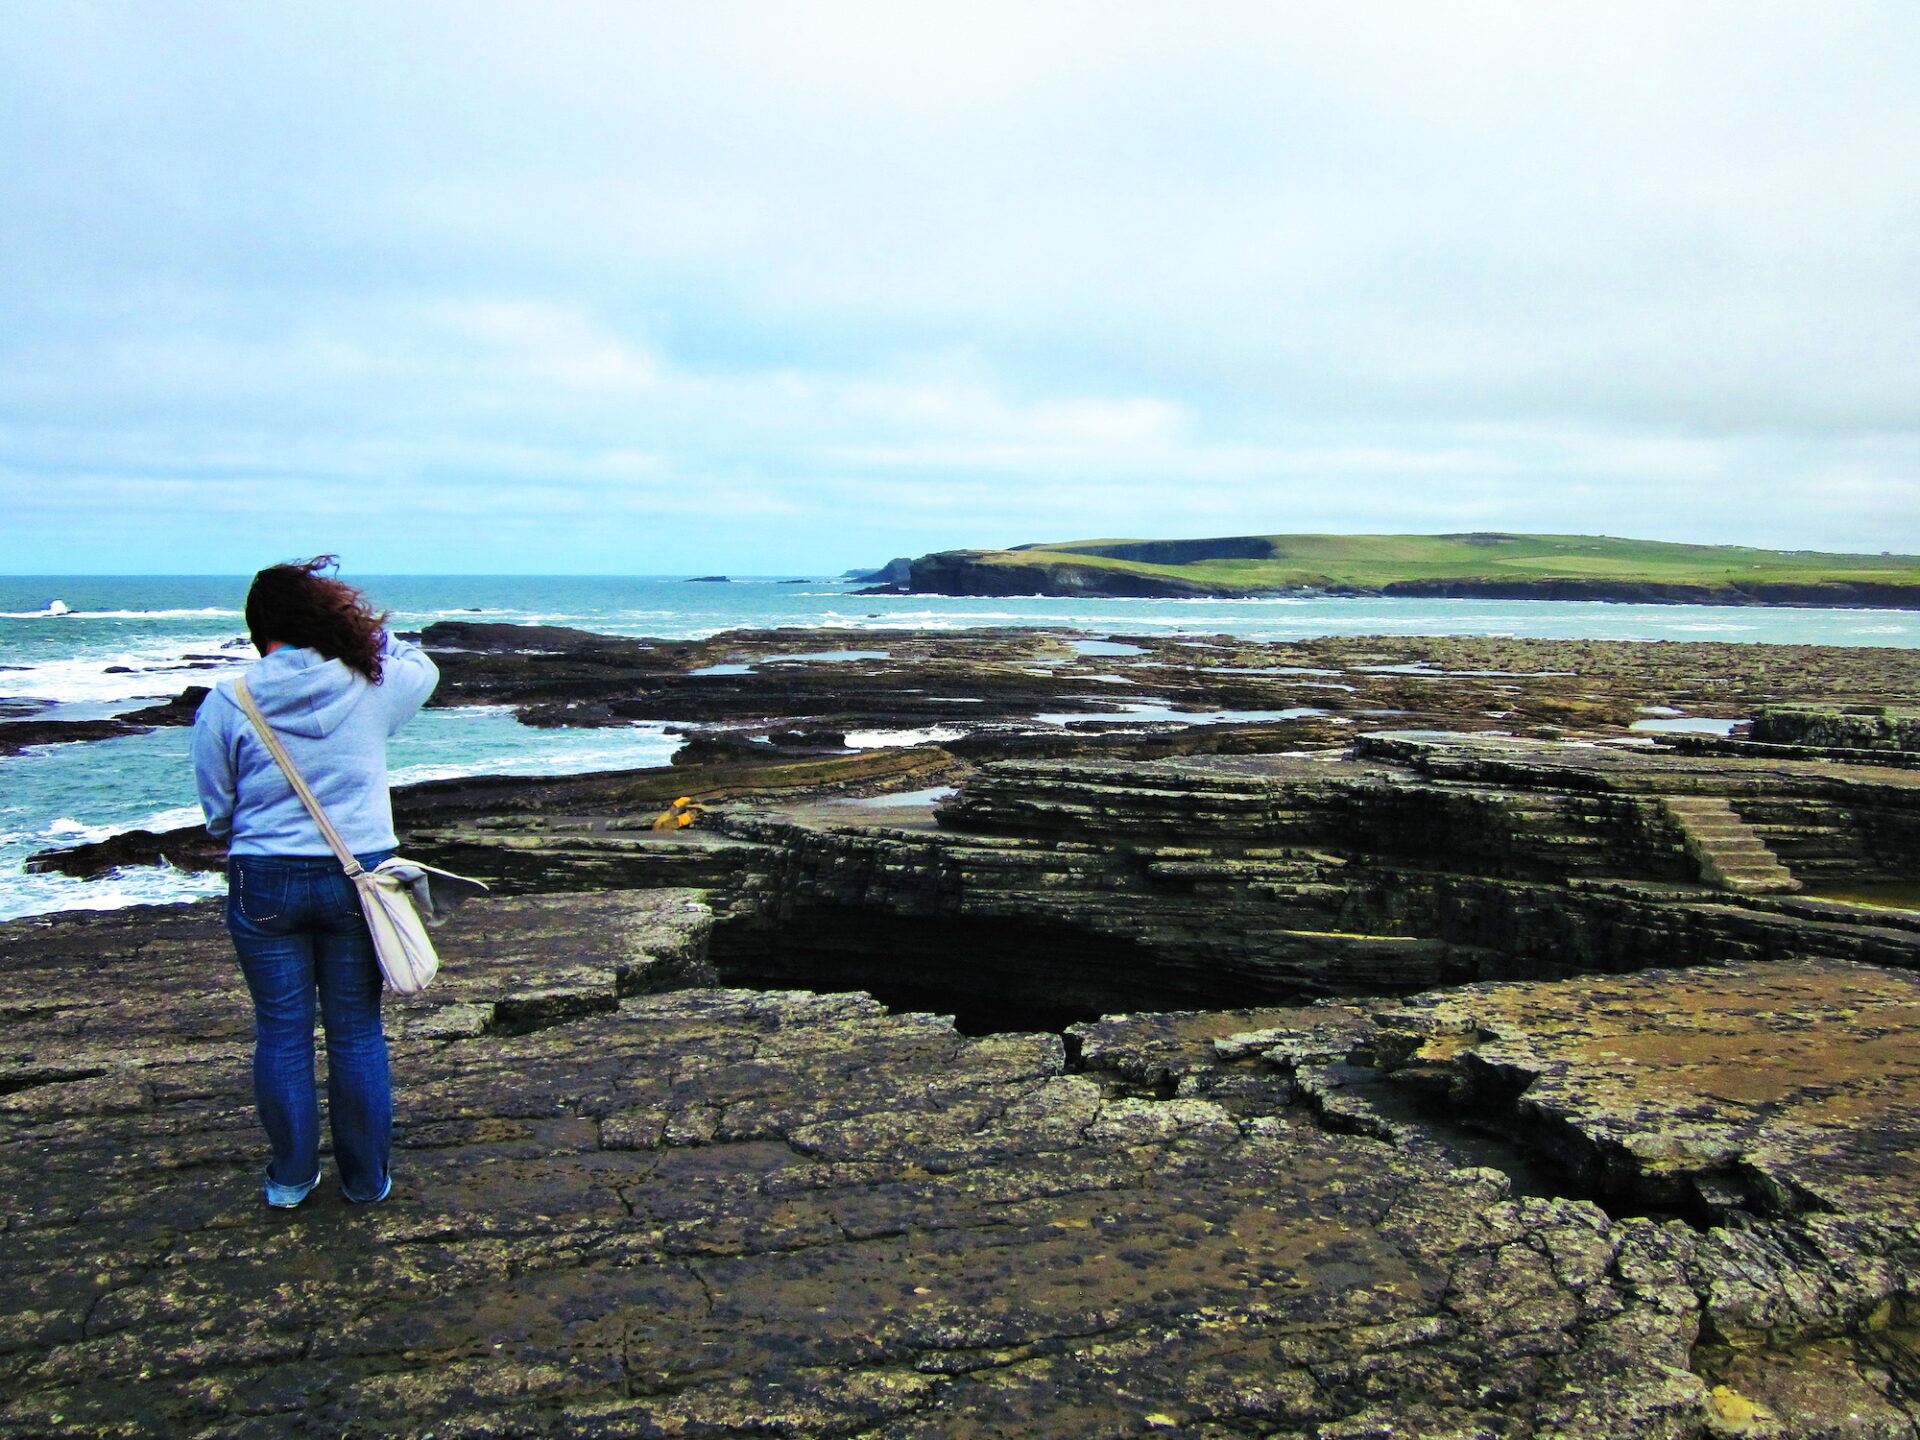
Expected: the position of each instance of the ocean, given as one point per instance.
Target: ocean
(127, 641)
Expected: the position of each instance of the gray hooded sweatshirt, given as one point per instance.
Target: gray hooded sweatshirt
(334, 724)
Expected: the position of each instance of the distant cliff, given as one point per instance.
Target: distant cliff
(967, 572)
(1479, 565)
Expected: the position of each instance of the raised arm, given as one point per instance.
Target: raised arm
(407, 678)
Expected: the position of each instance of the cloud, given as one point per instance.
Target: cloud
(806, 284)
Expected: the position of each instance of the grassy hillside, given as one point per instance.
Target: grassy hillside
(1373, 561)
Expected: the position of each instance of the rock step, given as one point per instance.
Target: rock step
(1726, 838)
(1729, 852)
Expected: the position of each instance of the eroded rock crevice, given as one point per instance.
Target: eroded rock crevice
(27, 1077)
(1350, 1068)
(990, 973)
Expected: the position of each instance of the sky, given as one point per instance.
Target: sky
(782, 287)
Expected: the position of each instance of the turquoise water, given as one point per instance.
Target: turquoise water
(128, 642)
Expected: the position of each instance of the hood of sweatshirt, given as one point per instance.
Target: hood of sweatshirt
(303, 693)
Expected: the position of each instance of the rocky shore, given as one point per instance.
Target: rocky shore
(773, 710)
(1483, 1068)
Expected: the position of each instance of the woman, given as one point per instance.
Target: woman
(334, 685)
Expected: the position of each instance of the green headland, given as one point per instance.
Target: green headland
(1481, 564)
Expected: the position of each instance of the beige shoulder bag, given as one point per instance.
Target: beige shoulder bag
(399, 897)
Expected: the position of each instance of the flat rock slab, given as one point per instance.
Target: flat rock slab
(716, 1212)
(1782, 1088)
(110, 993)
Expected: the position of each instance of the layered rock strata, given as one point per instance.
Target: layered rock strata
(1850, 734)
(624, 802)
(1221, 880)
(1860, 727)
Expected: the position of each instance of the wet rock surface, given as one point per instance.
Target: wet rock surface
(991, 683)
(180, 710)
(16, 735)
(189, 847)
(1298, 1082)
(998, 693)
(725, 1212)
(710, 1212)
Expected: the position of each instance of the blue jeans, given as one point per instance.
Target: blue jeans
(296, 923)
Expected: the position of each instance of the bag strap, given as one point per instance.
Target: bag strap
(294, 778)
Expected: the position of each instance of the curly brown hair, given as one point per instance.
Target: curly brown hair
(296, 605)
